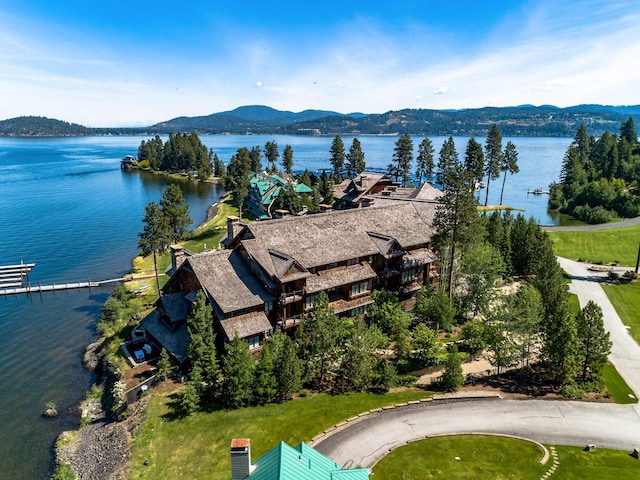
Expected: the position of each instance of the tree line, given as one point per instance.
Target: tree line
(181, 152)
(599, 178)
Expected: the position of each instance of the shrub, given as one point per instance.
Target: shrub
(629, 276)
(64, 472)
(572, 390)
(406, 381)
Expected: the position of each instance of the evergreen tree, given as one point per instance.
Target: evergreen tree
(424, 161)
(238, 372)
(287, 366)
(448, 163)
(176, 212)
(455, 220)
(256, 159)
(320, 338)
(453, 376)
(202, 345)
(325, 188)
(288, 199)
(493, 156)
(189, 398)
(218, 167)
(265, 385)
(237, 178)
(509, 163)
(355, 158)
(474, 160)
(337, 155)
(402, 158)
(595, 345)
(164, 366)
(155, 235)
(272, 154)
(287, 159)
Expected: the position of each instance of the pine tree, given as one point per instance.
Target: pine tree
(238, 372)
(448, 163)
(176, 212)
(474, 160)
(355, 158)
(337, 155)
(256, 159)
(164, 366)
(595, 344)
(265, 384)
(320, 338)
(509, 164)
(287, 159)
(237, 178)
(403, 157)
(493, 156)
(155, 236)
(218, 167)
(272, 154)
(287, 366)
(424, 161)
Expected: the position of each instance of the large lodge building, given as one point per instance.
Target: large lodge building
(271, 272)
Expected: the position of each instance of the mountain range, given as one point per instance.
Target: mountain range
(523, 120)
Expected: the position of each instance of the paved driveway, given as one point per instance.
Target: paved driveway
(549, 421)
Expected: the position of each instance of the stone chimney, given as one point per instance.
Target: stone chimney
(177, 257)
(241, 466)
(232, 224)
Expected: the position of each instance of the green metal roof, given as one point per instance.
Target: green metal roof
(301, 463)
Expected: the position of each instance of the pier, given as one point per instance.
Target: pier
(12, 281)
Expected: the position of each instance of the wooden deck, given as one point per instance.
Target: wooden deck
(29, 289)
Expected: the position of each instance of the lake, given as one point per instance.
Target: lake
(66, 206)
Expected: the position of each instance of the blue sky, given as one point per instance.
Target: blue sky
(136, 63)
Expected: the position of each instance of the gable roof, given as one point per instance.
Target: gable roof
(301, 463)
(334, 237)
(222, 271)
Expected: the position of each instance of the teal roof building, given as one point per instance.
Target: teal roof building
(264, 190)
(284, 462)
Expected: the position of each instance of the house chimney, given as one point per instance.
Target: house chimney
(232, 222)
(241, 466)
(177, 256)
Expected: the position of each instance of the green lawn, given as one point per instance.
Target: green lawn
(626, 300)
(618, 389)
(601, 246)
(480, 457)
(197, 447)
(487, 457)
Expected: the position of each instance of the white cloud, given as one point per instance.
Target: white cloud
(441, 91)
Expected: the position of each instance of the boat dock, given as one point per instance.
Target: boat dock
(12, 279)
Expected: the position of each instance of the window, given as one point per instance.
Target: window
(358, 311)
(358, 288)
(254, 342)
(268, 306)
(408, 275)
(352, 261)
(309, 301)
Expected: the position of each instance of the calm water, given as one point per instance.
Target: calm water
(66, 206)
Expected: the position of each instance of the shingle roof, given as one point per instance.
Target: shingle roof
(175, 306)
(335, 277)
(223, 271)
(175, 341)
(246, 325)
(333, 237)
(283, 462)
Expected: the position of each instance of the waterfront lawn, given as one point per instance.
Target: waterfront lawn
(625, 298)
(480, 457)
(487, 457)
(197, 446)
(619, 245)
(617, 388)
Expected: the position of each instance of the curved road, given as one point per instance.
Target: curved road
(365, 441)
(627, 222)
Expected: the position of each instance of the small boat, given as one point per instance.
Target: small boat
(538, 191)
